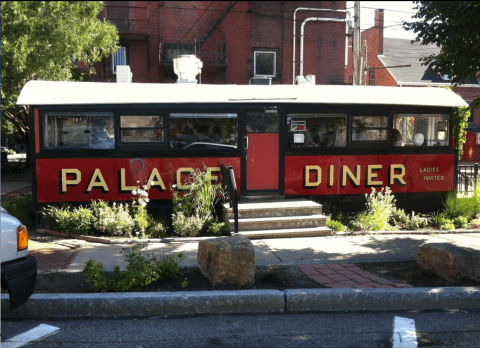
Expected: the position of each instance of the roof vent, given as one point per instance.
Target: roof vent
(187, 67)
(308, 80)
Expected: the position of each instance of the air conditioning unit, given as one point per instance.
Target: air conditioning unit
(124, 74)
(260, 81)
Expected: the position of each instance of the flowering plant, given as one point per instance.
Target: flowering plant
(140, 195)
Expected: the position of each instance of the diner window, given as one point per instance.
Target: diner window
(204, 131)
(83, 130)
(369, 128)
(420, 130)
(265, 63)
(141, 129)
(317, 130)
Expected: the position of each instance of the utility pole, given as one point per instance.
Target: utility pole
(365, 63)
(357, 70)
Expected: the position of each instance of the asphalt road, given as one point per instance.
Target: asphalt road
(375, 329)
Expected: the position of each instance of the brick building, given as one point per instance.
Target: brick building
(396, 62)
(236, 40)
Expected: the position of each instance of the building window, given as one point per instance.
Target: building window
(141, 129)
(371, 81)
(420, 130)
(172, 51)
(83, 130)
(118, 58)
(317, 130)
(369, 128)
(204, 131)
(265, 63)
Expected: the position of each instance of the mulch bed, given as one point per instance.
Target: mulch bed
(266, 277)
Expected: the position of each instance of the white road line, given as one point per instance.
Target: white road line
(404, 334)
(34, 334)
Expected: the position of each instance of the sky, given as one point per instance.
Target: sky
(395, 12)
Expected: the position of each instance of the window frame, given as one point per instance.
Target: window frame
(275, 62)
(365, 142)
(143, 114)
(113, 66)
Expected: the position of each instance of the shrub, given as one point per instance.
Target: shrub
(399, 218)
(70, 220)
(416, 221)
(460, 222)
(156, 229)
(139, 273)
(217, 228)
(114, 220)
(455, 206)
(194, 206)
(22, 208)
(336, 226)
(379, 208)
(441, 221)
(474, 223)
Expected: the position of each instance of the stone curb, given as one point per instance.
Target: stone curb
(106, 240)
(149, 305)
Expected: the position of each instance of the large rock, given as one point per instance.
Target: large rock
(449, 262)
(227, 261)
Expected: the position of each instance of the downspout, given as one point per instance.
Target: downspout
(302, 30)
(294, 28)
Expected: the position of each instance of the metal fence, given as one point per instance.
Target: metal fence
(467, 176)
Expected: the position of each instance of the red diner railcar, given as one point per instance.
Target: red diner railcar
(330, 143)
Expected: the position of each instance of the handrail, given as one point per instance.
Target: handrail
(229, 185)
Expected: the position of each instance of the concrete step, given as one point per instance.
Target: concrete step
(281, 222)
(276, 209)
(287, 233)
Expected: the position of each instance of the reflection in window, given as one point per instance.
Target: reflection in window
(369, 128)
(204, 131)
(262, 121)
(142, 129)
(317, 130)
(83, 130)
(264, 63)
(420, 130)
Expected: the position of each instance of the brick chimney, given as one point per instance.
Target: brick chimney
(379, 24)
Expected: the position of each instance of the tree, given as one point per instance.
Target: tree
(453, 26)
(41, 40)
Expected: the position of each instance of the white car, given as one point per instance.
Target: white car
(19, 270)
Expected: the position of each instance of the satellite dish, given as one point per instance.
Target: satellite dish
(418, 139)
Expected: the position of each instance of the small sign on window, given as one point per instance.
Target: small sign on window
(299, 138)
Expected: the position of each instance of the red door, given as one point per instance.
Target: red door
(262, 151)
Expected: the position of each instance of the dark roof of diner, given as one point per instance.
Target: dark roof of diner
(88, 93)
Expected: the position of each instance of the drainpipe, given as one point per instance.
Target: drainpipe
(302, 30)
(294, 27)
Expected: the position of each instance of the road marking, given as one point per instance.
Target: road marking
(34, 334)
(404, 334)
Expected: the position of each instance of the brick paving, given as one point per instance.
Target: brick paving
(52, 256)
(345, 275)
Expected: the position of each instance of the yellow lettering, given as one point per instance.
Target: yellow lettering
(307, 176)
(66, 182)
(373, 175)
(179, 177)
(398, 176)
(355, 178)
(97, 174)
(330, 175)
(123, 185)
(214, 177)
(155, 180)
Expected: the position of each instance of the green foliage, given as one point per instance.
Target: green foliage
(458, 121)
(453, 26)
(336, 226)
(441, 221)
(184, 284)
(460, 222)
(139, 273)
(112, 220)
(217, 228)
(39, 39)
(68, 219)
(194, 206)
(455, 207)
(379, 208)
(22, 208)
(409, 222)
